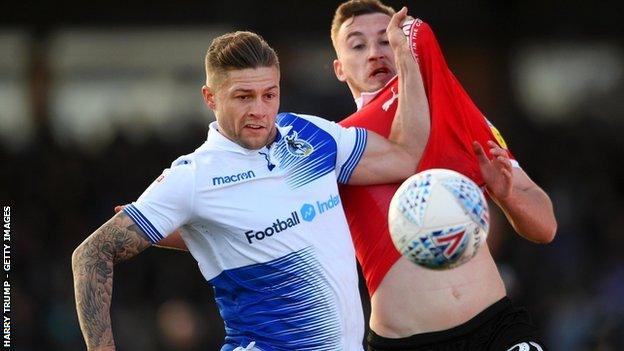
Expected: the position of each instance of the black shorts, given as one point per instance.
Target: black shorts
(500, 327)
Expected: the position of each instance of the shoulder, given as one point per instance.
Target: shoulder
(286, 118)
(178, 175)
(300, 121)
(185, 168)
(198, 159)
(184, 164)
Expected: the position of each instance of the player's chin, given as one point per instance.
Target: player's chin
(378, 81)
(256, 139)
(253, 144)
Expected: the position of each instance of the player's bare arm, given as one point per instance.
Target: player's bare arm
(527, 207)
(396, 158)
(171, 241)
(92, 264)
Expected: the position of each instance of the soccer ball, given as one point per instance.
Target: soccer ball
(438, 218)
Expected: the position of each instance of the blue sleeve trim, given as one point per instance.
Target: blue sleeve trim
(361, 137)
(143, 223)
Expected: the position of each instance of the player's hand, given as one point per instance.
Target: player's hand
(497, 172)
(395, 32)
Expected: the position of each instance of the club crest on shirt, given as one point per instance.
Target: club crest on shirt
(297, 147)
(303, 151)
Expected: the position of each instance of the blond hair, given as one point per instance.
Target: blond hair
(234, 51)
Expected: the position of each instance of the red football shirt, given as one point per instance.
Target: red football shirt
(455, 123)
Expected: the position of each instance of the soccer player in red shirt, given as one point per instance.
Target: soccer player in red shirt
(414, 308)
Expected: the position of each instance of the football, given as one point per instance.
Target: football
(438, 218)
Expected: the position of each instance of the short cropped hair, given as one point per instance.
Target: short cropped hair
(353, 8)
(234, 51)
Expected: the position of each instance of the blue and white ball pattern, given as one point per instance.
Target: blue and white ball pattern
(438, 219)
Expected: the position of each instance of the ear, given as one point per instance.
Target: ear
(209, 97)
(338, 71)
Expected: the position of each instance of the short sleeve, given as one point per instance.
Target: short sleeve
(167, 203)
(350, 150)
(350, 145)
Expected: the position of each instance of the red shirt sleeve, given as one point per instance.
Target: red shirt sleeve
(455, 119)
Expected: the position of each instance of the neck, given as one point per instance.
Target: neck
(355, 92)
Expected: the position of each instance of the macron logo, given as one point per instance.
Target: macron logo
(233, 178)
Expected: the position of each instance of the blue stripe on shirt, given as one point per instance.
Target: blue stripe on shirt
(143, 223)
(360, 145)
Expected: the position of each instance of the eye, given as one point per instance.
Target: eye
(270, 96)
(243, 97)
(358, 47)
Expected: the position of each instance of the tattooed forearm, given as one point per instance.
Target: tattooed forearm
(92, 263)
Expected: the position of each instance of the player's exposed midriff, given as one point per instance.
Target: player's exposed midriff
(412, 300)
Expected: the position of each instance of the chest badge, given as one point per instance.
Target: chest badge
(297, 147)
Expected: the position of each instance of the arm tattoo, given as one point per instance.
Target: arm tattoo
(92, 263)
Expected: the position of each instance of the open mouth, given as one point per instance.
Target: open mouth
(254, 126)
(379, 71)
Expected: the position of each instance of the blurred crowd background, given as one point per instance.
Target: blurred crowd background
(96, 99)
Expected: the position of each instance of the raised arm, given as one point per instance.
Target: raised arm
(527, 207)
(92, 264)
(396, 158)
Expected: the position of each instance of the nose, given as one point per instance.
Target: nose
(257, 109)
(375, 52)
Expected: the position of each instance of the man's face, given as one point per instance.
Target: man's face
(246, 104)
(365, 59)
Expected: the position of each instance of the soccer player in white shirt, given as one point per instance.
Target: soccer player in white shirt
(259, 208)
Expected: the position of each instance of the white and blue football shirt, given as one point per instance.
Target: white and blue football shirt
(268, 231)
